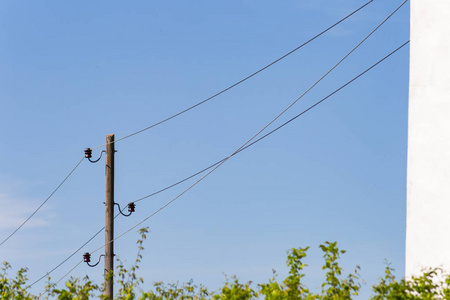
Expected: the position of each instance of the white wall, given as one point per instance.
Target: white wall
(428, 208)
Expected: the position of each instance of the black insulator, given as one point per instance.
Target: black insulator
(131, 207)
(88, 153)
(87, 257)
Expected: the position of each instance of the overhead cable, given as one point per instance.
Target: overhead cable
(70, 256)
(242, 147)
(248, 144)
(42, 204)
(61, 278)
(75, 252)
(301, 96)
(242, 80)
(266, 135)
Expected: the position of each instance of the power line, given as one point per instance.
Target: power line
(61, 278)
(42, 204)
(65, 260)
(301, 96)
(263, 137)
(75, 252)
(242, 80)
(242, 147)
(248, 144)
(71, 270)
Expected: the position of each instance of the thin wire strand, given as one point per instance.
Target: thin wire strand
(40, 206)
(242, 80)
(56, 283)
(71, 270)
(48, 273)
(171, 117)
(242, 147)
(256, 141)
(246, 145)
(311, 107)
(301, 96)
(75, 252)
(65, 260)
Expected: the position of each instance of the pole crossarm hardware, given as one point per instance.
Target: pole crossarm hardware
(87, 259)
(88, 155)
(131, 208)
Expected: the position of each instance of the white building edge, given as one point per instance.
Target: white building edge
(428, 176)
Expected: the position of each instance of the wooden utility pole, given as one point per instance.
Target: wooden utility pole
(109, 217)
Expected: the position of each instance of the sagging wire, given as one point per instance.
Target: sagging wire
(48, 290)
(308, 109)
(244, 79)
(276, 128)
(42, 204)
(247, 146)
(76, 251)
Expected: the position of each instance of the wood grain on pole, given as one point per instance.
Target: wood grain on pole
(109, 217)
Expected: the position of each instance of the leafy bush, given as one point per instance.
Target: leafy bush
(335, 286)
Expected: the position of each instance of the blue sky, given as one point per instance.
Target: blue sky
(73, 72)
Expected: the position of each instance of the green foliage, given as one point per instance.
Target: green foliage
(432, 284)
(14, 288)
(186, 291)
(76, 290)
(235, 291)
(292, 287)
(334, 287)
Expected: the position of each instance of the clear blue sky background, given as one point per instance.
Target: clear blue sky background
(72, 72)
